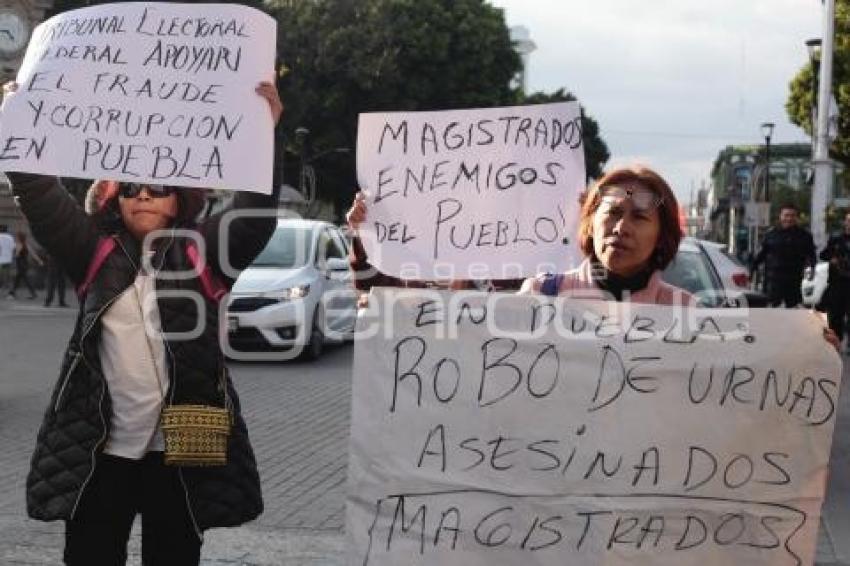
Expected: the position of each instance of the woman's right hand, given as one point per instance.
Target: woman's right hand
(357, 213)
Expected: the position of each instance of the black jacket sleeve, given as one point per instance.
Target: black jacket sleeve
(829, 251)
(234, 239)
(57, 222)
(811, 251)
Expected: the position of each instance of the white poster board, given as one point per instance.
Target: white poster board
(613, 434)
(471, 194)
(146, 92)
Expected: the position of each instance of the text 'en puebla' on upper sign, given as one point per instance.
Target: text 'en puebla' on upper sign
(146, 92)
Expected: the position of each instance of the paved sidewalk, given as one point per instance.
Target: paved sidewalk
(32, 543)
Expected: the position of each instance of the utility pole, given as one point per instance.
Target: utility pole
(822, 189)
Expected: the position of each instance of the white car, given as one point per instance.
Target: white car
(716, 278)
(813, 289)
(296, 294)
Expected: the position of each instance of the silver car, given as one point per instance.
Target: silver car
(715, 277)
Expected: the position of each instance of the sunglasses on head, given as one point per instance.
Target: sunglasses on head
(132, 190)
(641, 198)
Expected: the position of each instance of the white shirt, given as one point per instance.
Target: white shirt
(135, 369)
(7, 248)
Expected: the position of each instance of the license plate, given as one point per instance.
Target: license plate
(232, 324)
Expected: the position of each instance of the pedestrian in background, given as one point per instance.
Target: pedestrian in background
(836, 297)
(7, 253)
(23, 253)
(786, 251)
(55, 282)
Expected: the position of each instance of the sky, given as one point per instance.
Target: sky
(672, 82)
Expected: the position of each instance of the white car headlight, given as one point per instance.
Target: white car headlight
(298, 292)
(288, 294)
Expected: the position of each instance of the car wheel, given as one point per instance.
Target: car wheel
(313, 349)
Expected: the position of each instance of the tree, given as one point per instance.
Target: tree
(339, 58)
(596, 152)
(801, 97)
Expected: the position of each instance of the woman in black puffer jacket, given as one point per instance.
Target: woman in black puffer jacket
(146, 337)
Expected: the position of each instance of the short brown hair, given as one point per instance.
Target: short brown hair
(670, 232)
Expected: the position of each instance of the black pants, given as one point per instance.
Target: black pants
(838, 306)
(22, 276)
(55, 283)
(784, 291)
(119, 489)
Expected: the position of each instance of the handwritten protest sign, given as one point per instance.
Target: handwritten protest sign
(525, 430)
(146, 92)
(477, 194)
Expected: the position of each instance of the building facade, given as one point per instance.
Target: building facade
(740, 211)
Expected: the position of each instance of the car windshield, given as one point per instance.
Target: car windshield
(689, 271)
(288, 247)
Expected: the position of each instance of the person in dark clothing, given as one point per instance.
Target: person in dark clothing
(23, 253)
(837, 295)
(786, 251)
(145, 342)
(55, 282)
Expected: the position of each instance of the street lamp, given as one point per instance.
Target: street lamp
(813, 46)
(767, 132)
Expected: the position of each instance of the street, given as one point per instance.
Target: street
(298, 416)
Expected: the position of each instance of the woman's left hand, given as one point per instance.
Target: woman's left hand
(830, 336)
(269, 91)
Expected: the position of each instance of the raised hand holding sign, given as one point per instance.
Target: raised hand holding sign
(146, 92)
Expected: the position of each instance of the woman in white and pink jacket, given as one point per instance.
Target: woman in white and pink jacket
(629, 232)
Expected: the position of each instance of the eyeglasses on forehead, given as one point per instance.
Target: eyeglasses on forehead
(641, 198)
(132, 190)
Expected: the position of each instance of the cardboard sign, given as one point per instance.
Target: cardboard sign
(471, 194)
(146, 92)
(512, 430)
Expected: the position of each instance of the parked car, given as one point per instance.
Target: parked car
(813, 289)
(296, 295)
(715, 277)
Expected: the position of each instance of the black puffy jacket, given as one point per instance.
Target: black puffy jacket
(76, 422)
(785, 253)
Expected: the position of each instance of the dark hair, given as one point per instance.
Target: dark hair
(670, 231)
(789, 206)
